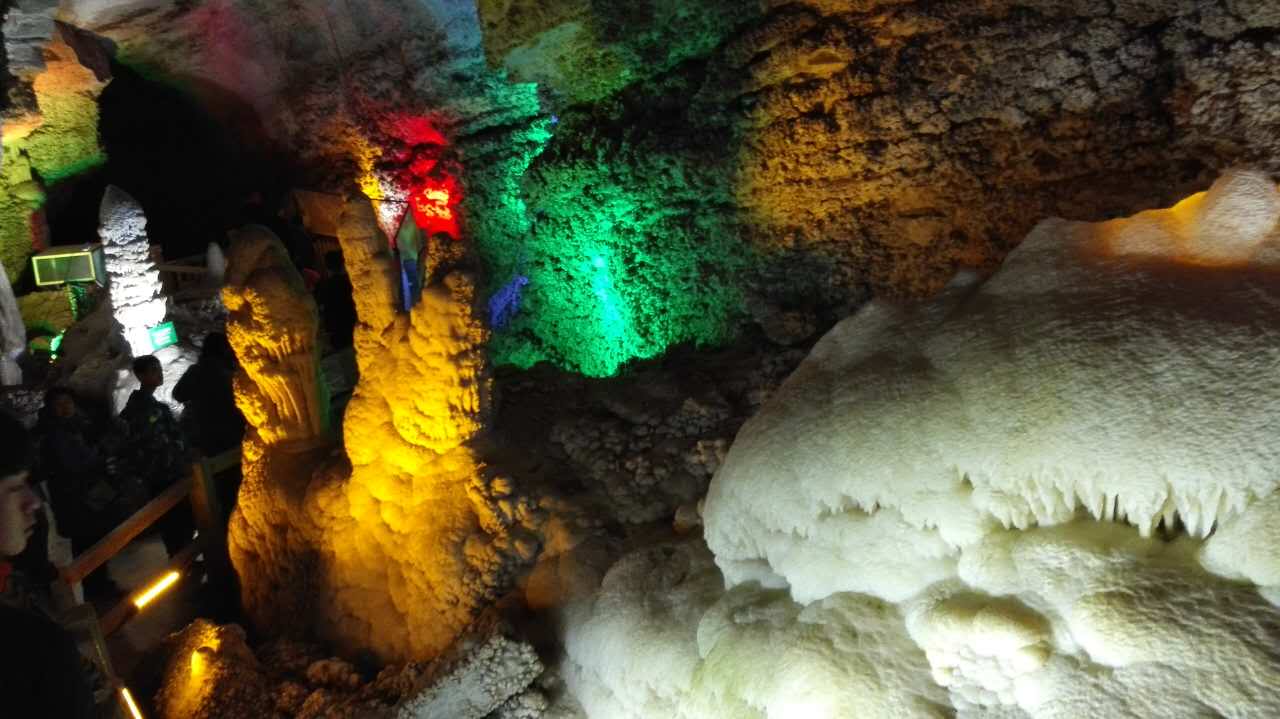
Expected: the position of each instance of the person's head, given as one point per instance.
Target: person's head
(148, 371)
(216, 347)
(60, 402)
(18, 502)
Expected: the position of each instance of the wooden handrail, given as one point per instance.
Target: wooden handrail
(110, 545)
(199, 487)
(183, 269)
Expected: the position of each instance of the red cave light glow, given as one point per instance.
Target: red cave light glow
(409, 159)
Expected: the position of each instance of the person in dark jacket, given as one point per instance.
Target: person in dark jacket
(156, 450)
(210, 418)
(86, 503)
(41, 671)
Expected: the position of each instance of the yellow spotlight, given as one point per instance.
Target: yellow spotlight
(156, 589)
(128, 700)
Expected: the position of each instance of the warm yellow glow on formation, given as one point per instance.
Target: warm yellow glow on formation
(156, 589)
(199, 662)
(1221, 227)
(128, 700)
(193, 685)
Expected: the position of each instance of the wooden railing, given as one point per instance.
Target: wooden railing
(211, 523)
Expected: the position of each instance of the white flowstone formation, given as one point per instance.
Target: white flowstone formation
(13, 334)
(1049, 494)
(136, 292)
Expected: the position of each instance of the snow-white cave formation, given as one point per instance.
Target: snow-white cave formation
(1049, 493)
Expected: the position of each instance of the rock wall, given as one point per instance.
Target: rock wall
(50, 120)
(810, 149)
(652, 173)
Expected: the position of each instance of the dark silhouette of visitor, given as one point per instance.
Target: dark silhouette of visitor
(41, 671)
(212, 422)
(155, 449)
(87, 500)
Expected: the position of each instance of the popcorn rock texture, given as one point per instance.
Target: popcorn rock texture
(423, 535)
(211, 673)
(485, 673)
(398, 546)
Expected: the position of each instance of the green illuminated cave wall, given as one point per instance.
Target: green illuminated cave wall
(608, 226)
(63, 146)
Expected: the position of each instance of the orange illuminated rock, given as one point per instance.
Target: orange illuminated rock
(396, 548)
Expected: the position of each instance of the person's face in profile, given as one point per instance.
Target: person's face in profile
(18, 505)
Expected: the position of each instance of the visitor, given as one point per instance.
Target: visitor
(86, 500)
(210, 419)
(42, 673)
(155, 449)
(337, 306)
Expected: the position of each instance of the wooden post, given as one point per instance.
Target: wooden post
(211, 517)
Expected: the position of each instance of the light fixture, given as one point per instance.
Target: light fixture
(128, 700)
(156, 589)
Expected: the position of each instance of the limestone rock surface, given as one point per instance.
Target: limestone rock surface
(484, 674)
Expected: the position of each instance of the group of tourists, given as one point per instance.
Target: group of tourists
(93, 473)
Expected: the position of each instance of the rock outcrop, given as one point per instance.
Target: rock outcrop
(210, 672)
(398, 545)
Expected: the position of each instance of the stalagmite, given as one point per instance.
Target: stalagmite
(136, 293)
(13, 334)
(398, 546)
(271, 325)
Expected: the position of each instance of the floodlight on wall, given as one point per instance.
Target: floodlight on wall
(69, 263)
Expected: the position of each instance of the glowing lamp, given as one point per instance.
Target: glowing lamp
(155, 590)
(128, 701)
(63, 264)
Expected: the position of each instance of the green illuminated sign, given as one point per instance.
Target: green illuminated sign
(164, 335)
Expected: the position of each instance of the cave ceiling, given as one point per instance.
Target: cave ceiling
(687, 162)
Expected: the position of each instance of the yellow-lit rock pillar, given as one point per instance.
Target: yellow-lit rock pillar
(423, 535)
(272, 325)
